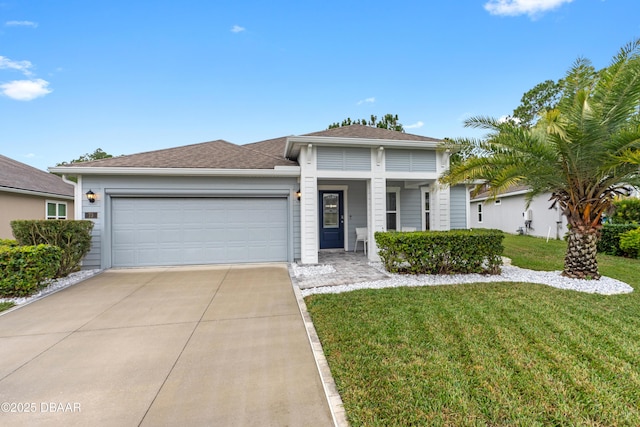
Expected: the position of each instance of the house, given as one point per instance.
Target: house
(29, 193)
(509, 213)
(282, 199)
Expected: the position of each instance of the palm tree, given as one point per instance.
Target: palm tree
(584, 152)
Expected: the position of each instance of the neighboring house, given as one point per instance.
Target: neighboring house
(282, 199)
(508, 212)
(29, 193)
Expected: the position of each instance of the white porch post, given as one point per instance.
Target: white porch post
(442, 220)
(308, 206)
(376, 201)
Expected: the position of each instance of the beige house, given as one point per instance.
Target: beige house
(29, 193)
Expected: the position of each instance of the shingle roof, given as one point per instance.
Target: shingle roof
(368, 132)
(504, 193)
(276, 146)
(210, 155)
(18, 176)
(224, 155)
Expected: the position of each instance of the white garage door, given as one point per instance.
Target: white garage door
(180, 231)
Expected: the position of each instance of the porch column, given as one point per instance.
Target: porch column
(308, 206)
(441, 210)
(376, 212)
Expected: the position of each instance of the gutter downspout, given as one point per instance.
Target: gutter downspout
(77, 196)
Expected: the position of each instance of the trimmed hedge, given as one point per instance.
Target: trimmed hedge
(24, 269)
(609, 241)
(441, 252)
(630, 243)
(73, 237)
(626, 211)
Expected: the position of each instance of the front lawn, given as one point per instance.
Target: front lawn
(487, 354)
(6, 305)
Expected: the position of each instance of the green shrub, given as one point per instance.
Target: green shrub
(8, 242)
(73, 237)
(24, 269)
(630, 243)
(626, 211)
(609, 241)
(441, 252)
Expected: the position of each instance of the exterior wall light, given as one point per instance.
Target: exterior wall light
(298, 194)
(91, 196)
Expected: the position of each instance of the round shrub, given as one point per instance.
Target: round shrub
(630, 243)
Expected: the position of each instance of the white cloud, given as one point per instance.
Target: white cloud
(22, 66)
(521, 7)
(367, 101)
(25, 90)
(30, 156)
(237, 29)
(507, 118)
(416, 125)
(21, 24)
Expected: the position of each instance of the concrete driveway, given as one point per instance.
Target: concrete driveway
(210, 345)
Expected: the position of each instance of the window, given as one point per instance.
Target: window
(56, 210)
(330, 210)
(393, 208)
(426, 221)
(479, 212)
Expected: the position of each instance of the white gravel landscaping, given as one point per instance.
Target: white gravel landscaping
(54, 286)
(604, 286)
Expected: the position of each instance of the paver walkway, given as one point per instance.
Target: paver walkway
(348, 268)
(196, 346)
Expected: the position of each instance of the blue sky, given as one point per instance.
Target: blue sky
(137, 76)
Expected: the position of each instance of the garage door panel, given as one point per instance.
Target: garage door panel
(175, 231)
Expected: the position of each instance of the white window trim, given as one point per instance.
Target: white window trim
(423, 196)
(397, 211)
(57, 203)
(480, 213)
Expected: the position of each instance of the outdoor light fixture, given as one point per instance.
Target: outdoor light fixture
(91, 196)
(298, 194)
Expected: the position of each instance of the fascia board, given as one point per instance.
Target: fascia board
(34, 193)
(285, 171)
(499, 196)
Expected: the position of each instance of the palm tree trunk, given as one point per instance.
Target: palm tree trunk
(581, 260)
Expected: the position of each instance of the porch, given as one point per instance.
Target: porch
(337, 267)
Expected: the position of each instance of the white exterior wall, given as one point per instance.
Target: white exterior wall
(507, 215)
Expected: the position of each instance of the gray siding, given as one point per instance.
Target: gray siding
(165, 186)
(357, 214)
(458, 206)
(410, 208)
(344, 159)
(410, 160)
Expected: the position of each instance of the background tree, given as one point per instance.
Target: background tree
(96, 155)
(388, 121)
(579, 152)
(542, 97)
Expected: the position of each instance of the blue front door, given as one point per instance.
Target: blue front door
(331, 219)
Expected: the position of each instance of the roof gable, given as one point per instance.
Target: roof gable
(18, 176)
(277, 146)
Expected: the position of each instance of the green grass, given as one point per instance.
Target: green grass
(6, 305)
(487, 354)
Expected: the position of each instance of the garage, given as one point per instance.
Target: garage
(160, 231)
